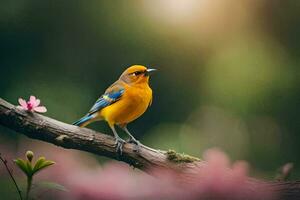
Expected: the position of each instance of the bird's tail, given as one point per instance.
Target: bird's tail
(84, 121)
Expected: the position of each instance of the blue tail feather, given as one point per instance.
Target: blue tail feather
(83, 120)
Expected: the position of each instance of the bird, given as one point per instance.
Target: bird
(123, 102)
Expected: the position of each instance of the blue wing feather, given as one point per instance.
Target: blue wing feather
(83, 120)
(107, 99)
(111, 95)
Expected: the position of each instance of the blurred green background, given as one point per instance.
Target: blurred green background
(228, 70)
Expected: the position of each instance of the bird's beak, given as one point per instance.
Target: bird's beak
(150, 71)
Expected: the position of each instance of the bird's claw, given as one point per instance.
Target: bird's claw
(136, 142)
(133, 141)
(119, 145)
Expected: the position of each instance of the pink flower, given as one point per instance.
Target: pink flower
(32, 105)
(81, 174)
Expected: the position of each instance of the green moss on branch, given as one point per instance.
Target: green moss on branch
(180, 158)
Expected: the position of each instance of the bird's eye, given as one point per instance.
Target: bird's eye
(137, 73)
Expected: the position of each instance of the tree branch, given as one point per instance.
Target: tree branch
(43, 128)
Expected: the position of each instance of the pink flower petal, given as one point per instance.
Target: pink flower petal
(40, 109)
(23, 103)
(20, 107)
(37, 103)
(32, 100)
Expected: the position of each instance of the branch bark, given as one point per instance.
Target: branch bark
(43, 128)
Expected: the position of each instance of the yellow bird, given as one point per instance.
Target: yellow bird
(124, 101)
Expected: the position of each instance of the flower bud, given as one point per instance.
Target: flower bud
(29, 155)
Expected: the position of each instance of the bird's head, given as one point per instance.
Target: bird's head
(136, 74)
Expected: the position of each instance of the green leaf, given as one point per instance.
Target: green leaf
(52, 185)
(38, 163)
(41, 163)
(22, 165)
(46, 164)
(29, 168)
(25, 166)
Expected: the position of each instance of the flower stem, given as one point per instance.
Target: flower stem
(11, 176)
(29, 183)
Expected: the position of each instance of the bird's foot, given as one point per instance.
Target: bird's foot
(132, 140)
(137, 143)
(119, 145)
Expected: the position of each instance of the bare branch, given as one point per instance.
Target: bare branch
(43, 128)
(4, 161)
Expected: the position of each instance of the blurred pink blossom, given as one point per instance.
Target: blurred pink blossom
(85, 178)
(216, 179)
(32, 105)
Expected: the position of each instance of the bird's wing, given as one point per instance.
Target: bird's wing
(111, 95)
